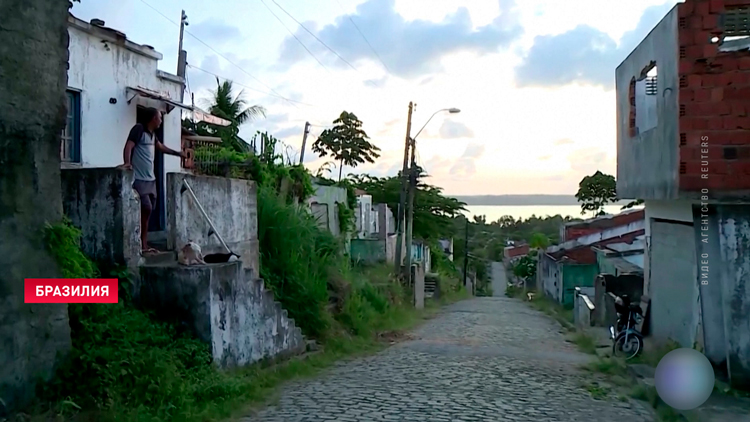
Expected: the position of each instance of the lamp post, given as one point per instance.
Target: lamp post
(412, 190)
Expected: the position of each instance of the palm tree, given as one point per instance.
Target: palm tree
(233, 108)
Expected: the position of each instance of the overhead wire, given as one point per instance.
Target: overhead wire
(364, 37)
(249, 87)
(295, 36)
(320, 41)
(218, 53)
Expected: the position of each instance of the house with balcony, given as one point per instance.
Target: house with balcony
(683, 146)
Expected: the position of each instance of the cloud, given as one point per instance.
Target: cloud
(376, 83)
(544, 157)
(408, 48)
(465, 166)
(564, 141)
(452, 130)
(554, 178)
(583, 55)
(588, 161)
(216, 32)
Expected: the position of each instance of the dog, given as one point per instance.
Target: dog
(190, 254)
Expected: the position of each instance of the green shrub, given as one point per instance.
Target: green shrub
(374, 297)
(63, 241)
(358, 314)
(121, 357)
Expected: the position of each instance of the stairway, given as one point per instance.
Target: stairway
(224, 305)
(431, 288)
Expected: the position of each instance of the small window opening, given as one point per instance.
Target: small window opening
(646, 95)
(735, 24)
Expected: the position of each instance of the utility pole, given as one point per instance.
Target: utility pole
(402, 199)
(182, 54)
(410, 207)
(466, 251)
(304, 141)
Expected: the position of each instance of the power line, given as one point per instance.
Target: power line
(364, 37)
(295, 36)
(218, 53)
(318, 39)
(249, 87)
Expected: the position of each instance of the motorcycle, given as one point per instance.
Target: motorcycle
(627, 340)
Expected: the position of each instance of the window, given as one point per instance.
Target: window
(70, 142)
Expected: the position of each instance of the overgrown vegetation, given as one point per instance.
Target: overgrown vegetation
(127, 365)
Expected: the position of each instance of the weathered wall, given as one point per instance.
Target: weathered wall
(674, 293)
(230, 203)
(390, 248)
(708, 256)
(33, 56)
(727, 289)
(665, 210)
(102, 203)
(103, 70)
(223, 306)
(549, 276)
(419, 290)
(647, 160)
(331, 196)
(714, 84)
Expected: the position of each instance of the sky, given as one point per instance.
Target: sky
(534, 79)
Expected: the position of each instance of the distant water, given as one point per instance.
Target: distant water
(494, 212)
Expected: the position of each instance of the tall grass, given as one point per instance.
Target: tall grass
(295, 258)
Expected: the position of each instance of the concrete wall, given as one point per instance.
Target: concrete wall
(102, 203)
(723, 245)
(647, 160)
(675, 298)
(390, 248)
(230, 203)
(665, 210)
(225, 307)
(583, 310)
(549, 276)
(419, 290)
(365, 218)
(331, 196)
(102, 71)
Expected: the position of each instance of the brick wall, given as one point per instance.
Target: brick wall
(714, 99)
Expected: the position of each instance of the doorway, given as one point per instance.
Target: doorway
(157, 222)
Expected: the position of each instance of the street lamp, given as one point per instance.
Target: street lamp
(408, 187)
(449, 110)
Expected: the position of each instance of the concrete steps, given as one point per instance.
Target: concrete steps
(280, 316)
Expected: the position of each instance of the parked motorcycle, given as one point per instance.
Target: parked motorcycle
(627, 340)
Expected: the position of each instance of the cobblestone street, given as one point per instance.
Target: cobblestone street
(484, 359)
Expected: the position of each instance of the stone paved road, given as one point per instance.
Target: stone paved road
(484, 359)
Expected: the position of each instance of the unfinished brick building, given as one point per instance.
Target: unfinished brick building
(683, 146)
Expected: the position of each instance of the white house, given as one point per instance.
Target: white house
(109, 80)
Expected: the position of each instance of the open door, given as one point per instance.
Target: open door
(158, 219)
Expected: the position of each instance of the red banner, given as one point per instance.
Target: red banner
(70, 290)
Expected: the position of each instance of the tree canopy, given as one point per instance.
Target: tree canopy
(346, 142)
(596, 191)
(433, 211)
